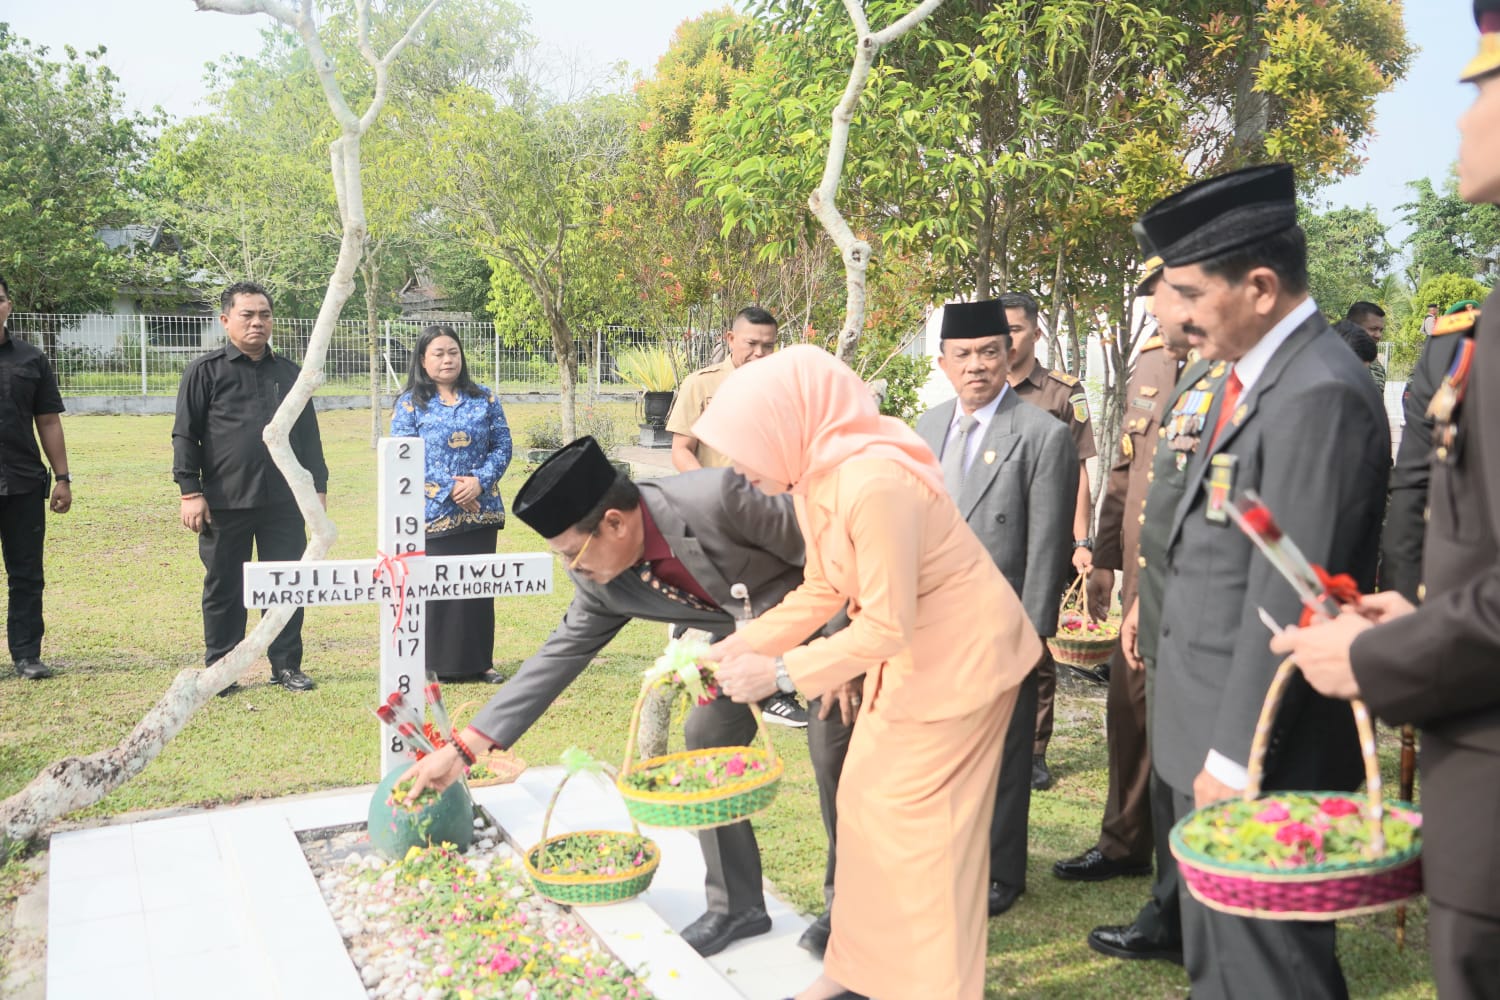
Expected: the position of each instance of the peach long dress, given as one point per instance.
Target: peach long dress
(943, 642)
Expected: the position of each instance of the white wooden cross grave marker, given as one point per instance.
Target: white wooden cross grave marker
(401, 579)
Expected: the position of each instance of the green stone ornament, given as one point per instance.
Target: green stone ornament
(396, 828)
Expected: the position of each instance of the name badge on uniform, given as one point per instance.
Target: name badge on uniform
(1220, 485)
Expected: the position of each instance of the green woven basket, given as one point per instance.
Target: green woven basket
(702, 810)
(588, 889)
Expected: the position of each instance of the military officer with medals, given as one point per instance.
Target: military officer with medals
(1156, 931)
(1299, 421)
(1406, 513)
(1435, 666)
(1061, 395)
(1125, 842)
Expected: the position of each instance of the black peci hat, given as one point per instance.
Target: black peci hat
(564, 488)
(1223, 213)
(971, 320)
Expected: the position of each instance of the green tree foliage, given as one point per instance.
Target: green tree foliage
(1010, 143)
(247, 186)
(1442, 290)
(70, 164)
(525, 180)
(1347, 256)
(1449, 235)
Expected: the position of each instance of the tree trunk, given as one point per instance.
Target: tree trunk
(370, 270)
(656, 723)
(855, 251)
(1252, 108)
(566, 351)
(77, 782)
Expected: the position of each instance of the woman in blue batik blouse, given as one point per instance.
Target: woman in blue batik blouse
(467, 442)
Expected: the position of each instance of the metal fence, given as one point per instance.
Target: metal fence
(97, 354)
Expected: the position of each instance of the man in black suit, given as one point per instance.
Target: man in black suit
(1300, 422)
(1436, 666)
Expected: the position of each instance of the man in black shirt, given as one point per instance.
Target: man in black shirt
(28, 398)
(232, 493)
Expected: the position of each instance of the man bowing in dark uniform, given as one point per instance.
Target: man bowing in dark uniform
(666, 550)
(1300, 422)
(1438, 666)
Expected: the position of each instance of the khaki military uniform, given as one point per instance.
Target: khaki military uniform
(693, 397)
(1125, 833)
(1061, 395)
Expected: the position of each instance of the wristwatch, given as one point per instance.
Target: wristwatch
(783, 679)
(1084, 543)
(63, 477)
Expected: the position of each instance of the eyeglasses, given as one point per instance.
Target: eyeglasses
(573, 563)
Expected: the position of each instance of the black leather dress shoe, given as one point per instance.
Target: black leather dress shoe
(293, 680)
(1093, 866)
(815, 938)
(33, 669)
(1126, 941)
(713, 932)
(1041, 778)
(1002, 897)
(1094, 675)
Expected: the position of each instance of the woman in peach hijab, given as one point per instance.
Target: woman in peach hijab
(941, 640)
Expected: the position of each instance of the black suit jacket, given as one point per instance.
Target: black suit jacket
(1440, 668)
(1311, 438)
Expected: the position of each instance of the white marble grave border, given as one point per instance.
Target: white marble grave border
(221, 903)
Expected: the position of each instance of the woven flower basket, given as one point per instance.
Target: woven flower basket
(700, 810)
(1314, 891)
(587, 889)
(1078, 650)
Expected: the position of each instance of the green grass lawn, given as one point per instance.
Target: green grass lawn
(123, 619)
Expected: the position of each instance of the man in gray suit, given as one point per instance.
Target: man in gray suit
(1012, 468)
(1300, 422)
(665, 550)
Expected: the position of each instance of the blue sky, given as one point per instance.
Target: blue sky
(158, 48)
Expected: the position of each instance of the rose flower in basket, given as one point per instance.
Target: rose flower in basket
(1082, 640)
(695, 789)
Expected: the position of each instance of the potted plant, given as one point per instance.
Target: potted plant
(652, 370)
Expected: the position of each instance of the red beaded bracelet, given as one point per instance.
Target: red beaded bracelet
(463, 750)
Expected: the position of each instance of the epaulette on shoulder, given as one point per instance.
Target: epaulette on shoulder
(1460, 322)
(1063, 377)
(1152, 344)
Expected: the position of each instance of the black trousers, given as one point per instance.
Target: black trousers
(730, 853)
(1229, 957)
(225, 546)
(1012, 816)
(461, 634)
(1161, 918)
(1465, 953)
(23, 529)
(827, 746)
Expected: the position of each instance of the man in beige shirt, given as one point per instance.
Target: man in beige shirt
(752, 335)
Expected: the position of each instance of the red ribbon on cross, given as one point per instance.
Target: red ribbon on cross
(398, 570)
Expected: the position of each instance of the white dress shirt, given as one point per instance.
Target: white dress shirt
(983, 415)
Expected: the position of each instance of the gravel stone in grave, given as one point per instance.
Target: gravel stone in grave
(397, 962)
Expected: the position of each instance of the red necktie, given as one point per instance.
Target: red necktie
(1231, 397)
